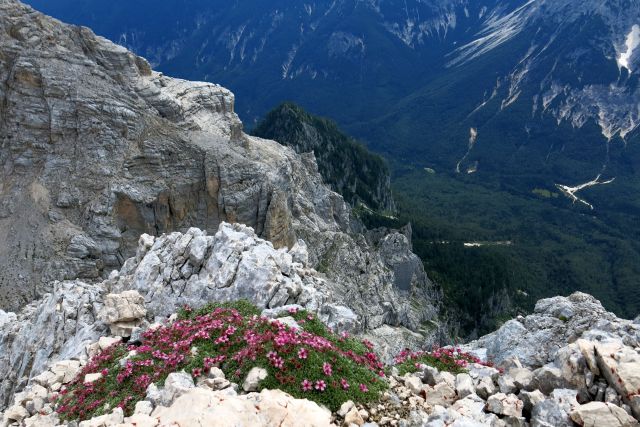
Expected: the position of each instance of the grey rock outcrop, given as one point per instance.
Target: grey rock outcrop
(536, 339)
(427, 397)
(59, 326)
(167, 273)
(98, 149)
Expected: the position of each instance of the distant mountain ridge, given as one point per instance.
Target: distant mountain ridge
(347, 166)
(538, 81)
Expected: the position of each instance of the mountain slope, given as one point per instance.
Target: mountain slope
(547, 89)
(352, 171)
(524, 114)
(97, 149)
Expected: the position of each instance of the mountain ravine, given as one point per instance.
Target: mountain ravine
(201, 268)
(98, 149)
(501, 120)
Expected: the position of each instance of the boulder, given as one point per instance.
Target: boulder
(430, 375)
(353, 417)
(106, 342)
(507, 385)
(252, 381)
(124, 307)
(143, 407)
(464, 385)
(66, 370)
(472, 408)
(441, 394)
(15, 413)
(573, 365)
(530, 399)
(588, 350)
(546, 379)
(123, 312)
(414, 384)
(177, 384)
(486, 387)
(269, 407)
(503, 404)
(620, 365)
(522, 378)
(550, 413)
(345, 408)
(601, 414)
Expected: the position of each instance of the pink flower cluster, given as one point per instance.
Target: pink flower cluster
(447, 357)
(226, 339)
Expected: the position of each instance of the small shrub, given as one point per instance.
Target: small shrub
(311, 363)
(444, 359)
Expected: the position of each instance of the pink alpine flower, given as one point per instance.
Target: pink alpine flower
(344, 383)
(327, 369)
(320, 385)
(307, 385)
(303, 353)
(363, 388)
(278, 362)
(222, 339)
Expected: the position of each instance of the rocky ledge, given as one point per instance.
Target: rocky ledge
(586, 369)
(167, 273)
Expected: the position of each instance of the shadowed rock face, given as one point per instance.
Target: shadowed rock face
(97, 149)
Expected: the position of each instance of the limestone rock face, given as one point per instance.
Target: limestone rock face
(59, 326)
(98, 149)
(556, 322)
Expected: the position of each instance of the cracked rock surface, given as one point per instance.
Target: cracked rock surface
(97, 149)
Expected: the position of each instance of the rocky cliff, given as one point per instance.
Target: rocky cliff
(347, 166)
(568, 364)
(97, 149)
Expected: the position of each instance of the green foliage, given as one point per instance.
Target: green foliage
(244, 307)
(557, 247)
(448, 359)
(346, 165)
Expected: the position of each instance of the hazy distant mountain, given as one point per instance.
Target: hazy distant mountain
(458, 84)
